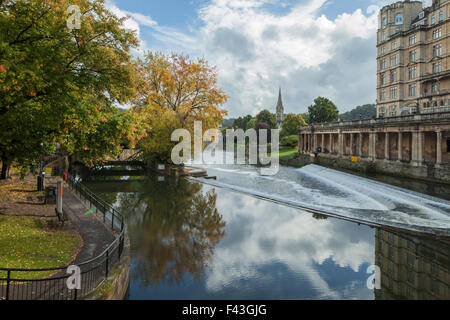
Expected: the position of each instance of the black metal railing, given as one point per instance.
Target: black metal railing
(18, 284)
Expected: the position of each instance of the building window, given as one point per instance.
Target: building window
(435, 87)
(412, 90)
(382, 95)
(412, 72)
(394, 45)
(412, 40)
(398, 18)
(394, 60)
(441, 16)
(393, 76)
(412, 56)
(384, 22)
(437, 67)
(437, 50)
(382, 79)
(383, 50)
(393, 93)
(383, 64)
(437, 34)
(433, 20)
(383, 36)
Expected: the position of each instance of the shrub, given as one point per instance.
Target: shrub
(289, 141)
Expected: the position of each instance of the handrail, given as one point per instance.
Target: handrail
(103, 260)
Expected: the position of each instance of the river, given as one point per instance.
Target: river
(218, 239)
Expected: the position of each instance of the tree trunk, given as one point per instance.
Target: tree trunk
(5, 170)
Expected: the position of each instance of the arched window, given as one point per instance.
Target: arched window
(398, 18)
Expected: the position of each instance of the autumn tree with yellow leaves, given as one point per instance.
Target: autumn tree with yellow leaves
(177, 91)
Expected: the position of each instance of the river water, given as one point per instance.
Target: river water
(217, 239)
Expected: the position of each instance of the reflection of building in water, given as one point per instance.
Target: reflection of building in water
(412, 267)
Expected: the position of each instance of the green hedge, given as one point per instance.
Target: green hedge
(289, 141)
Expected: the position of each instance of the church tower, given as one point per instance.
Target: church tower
(280, 110)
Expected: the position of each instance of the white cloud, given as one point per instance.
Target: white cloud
(256, 51)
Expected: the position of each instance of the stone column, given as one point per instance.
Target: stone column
(417, 148)
(420, 147)
(372, 142)
(341, 143)
(438, 147)
(351, 144)
(315, 142)
(400, 146)
(323, 142)
(360, 144)
(386, 146)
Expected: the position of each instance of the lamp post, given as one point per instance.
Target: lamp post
(41, 177)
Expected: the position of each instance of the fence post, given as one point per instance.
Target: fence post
(112, 220)
(107, 264)
(8, 283)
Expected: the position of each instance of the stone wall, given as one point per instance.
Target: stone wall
(401, 169)
(116, 286)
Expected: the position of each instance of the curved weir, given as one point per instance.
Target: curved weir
(339, 194)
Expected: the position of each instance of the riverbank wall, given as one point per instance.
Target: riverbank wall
(429, 173)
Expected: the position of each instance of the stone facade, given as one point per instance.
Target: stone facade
(413, 66)
(412, 146)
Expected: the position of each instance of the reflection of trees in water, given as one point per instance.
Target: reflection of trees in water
(174, 228)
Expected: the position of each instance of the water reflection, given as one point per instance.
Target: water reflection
(412, 267)
(174, 228)
(192, 241)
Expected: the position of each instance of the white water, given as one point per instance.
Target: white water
(338, 193)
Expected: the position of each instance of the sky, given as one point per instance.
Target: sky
(309, 48)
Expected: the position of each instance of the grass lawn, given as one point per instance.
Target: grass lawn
(287, 153)
(26, 243)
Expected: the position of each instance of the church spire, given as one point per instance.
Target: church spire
(280, 109)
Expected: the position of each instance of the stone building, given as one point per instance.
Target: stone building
(413, 67)
(411, 134)
(412, 267)
(415, 145)
(280, 110)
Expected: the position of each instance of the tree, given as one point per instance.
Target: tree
(323, 110)
(267, 117)
(176, 92)
(251, 124)
(305, 117)
(291, 124)
(57, 81)
(241, 122)
(367, 111)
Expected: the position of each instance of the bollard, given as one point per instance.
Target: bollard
(59, 197)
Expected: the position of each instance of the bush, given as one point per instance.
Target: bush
(289, 141)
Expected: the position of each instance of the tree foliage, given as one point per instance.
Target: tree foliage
(59, 85)
(267, 117)
(291, 124)
(323, 110)
(241, 122)
(176, 92)
(367, 111)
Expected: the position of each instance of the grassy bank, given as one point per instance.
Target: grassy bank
(26, 243)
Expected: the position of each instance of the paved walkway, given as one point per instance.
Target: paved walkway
(95, 236)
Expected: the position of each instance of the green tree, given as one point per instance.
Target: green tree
(241, 122)
(305, 117)
(366, 111)
(267, 117)
(291, 124)
(251, 124)
(56, 81)
(323, 110)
